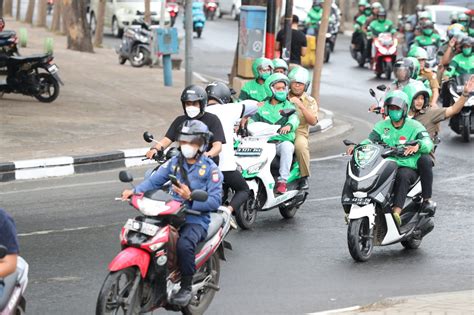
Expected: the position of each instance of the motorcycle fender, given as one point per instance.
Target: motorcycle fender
(387, 59)
(55, 76)
(146, 47)
(253, 186)
(129, 257)
(358, 212)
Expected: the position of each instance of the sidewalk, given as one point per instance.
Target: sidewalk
(461, 302)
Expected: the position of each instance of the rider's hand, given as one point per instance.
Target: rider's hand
(285, 130)
(469, 86)
(260, 104)
(151, 153)
(350, 150)
(126, 194)
(372, 108)
(296, 100)
(452, 42)
(411, 149)
(183, 190)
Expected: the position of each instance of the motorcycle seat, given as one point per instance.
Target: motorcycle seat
(9, 285)
(36, 57)
(7, 34)
(216, 222)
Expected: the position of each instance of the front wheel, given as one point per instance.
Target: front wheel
(412, 243)
(120, 293)
(288, 212)
(140, 57)
(247, 214)
(466, 129)
(48, 88)
(359, 239)
(327, 52)
(388, 70)
(199, 32)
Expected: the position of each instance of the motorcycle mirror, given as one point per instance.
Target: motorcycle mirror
(287, 112)
(372, 92)
(199, 195)
(382, 87)
(125, 177)
(348, 142)
(3, 251)
(148, 137)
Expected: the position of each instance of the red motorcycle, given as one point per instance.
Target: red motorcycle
(210, 8)
(173, 10)
(385, 54)
(145, 274)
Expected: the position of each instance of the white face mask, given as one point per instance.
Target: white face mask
(188, 151)
(192, 111)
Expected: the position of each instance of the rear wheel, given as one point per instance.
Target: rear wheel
(466, 129)
(247, 214)
(412, 243)
(120, 293)
(359, 239)
(49, 88)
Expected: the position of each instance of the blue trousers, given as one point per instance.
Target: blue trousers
(189, 236)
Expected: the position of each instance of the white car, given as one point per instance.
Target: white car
(230, 7)
(440, 15)
(120, 14)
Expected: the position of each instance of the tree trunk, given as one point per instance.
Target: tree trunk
(99, 26)
(64, 29)
(7, 8)
(56, 23)
(148, 12)
(43, 7)
(18, 10)
(30, 11)
(78, 30)
(1, 8)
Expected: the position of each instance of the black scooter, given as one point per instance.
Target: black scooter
(135, 45)
(367, 202)
(462, 123)
(8, 43)
(34, 75)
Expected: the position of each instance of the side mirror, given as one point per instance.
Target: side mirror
(3, 251)
(348, 142)
(287, 112)
(382, 87)
(148, 137)
(199, 195)
(125, 177)
(372, 92)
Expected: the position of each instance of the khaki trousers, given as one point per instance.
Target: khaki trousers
(302, 153)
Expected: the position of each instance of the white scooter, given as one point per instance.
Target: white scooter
(12, 300)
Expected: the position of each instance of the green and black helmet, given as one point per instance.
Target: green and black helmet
(413, 90)
(399, 99)
(262, 68)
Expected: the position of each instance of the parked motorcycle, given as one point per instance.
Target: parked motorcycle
(173, 10)
(12, 301)
(462, 123)
(385, 46)
(34, 75)
(135, 45)
(199, 18)
(145, 275)
(366, 199)
(259, 163)
(210, 8)
(8, 43)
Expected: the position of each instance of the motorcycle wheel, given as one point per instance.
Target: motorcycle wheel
(140, 57)
(288, 212)
(360, 59)
(49, 90)
(117, 293)
(388, 70)
(359, 239)
(212, 15)
(327, 52)
(247, 214)
(412, 243)
(199, 32)
(201, 301)
(466, 129)
(122, 60)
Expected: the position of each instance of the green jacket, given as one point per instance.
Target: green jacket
(376, 27)
(385, 132)
(423, 40)
(252, 90)
(360, 22)
(314, 16)
(271, 114)
(461, 65)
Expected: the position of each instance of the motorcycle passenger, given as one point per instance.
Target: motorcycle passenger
(194, 102)
(426, 74)
(375, 7)
(428, 36)
(464, 62)
(463, 19)
(280, 66)
(363, 6)
(314, 17)
(194, 171)
(308, 115)
(423, 17)
(453, 17)
(403, 71)
(396, 130)
(220, 104)
(9, 239)
(262, 68)
(277, 90)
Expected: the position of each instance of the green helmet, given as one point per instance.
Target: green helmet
(397, 98)
(462, 17)
(363, 3)
(280, 63)
(377, 5)
(416, 67)
(413, 90)
(418, 53)
(261, 63)
(300, 75)
(274, 79)
(454, 17)
(424, 15)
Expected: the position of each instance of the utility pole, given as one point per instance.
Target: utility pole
(320, 44)
(286, 51)
(188, 24)
(270, 35)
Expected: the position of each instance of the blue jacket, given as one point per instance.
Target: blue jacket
(204, 174)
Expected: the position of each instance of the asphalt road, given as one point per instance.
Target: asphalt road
(69, 229)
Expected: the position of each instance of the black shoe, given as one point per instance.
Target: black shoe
(428, 207)
(304, 185)
(184, 295)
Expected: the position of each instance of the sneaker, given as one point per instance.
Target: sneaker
(281, 187)
(304, 185)
(397, 219)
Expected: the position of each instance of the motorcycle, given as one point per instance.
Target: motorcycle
(462, 123)
(259, 164)
(432, 61)
(366, 200)
(24, 77)
(173, 10)
(199, 18)
(135, 45)
(12, 301)
(385, 53)
(8, 43)
(210, 8)
(145, 275)
(331, 36)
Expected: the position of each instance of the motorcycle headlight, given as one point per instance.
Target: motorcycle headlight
(328, 35)
(255, 168)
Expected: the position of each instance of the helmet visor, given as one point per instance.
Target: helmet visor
(401, 73)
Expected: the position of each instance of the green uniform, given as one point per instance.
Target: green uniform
(271, 114)
(411, 130)
(252, 90)
(461, 65)
(377, 27)
(314, 17)
(360, 22)
(423, 40)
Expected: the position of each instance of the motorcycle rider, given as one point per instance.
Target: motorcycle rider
(403, 71)
(375, 7)
(463, 19)
(220, 104)
(426, 74)
(428, 36)
(378, 26)
(308, 115)
(314, 17)
(194, 102)
(277, 90)
(280, 66)
(464, 62)
(396, 130)
(194, 171)
(8, 238)
(363, 5)
(358, 36)
(262, 68)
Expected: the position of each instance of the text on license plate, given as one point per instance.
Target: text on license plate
(53, 69)
(248, 152)
(141, 227)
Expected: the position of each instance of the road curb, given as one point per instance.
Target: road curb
(323, 124)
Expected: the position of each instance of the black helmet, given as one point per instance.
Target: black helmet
(403, 64)
(382, 12)
(467, 41)
(220, 92)
(427, 24)
(195, 131)
(194, 93)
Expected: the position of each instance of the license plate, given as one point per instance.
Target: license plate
(357, 201)
(248, 152)
(141, 227)
(53, 69)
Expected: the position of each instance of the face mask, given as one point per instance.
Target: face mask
(188, 151)
(192, 111)
(264, 75)
(281, 95)
(382, 19)
(395, 115)
(467, 51)
(428, 32)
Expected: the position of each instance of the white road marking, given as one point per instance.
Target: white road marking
(323, 199)
(46, 232)
(341, 310)
(330, 157)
